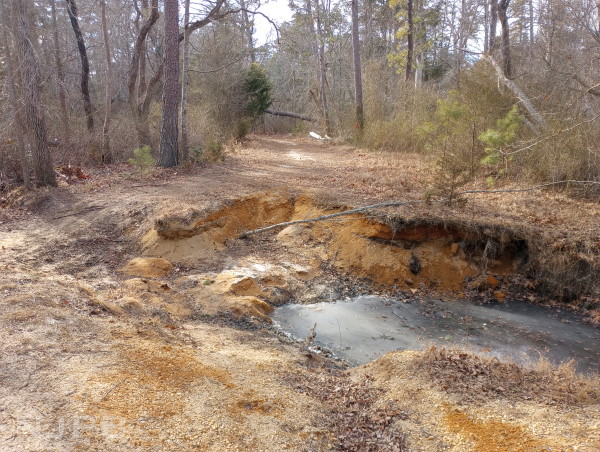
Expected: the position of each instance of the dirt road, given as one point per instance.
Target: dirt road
(97, 358)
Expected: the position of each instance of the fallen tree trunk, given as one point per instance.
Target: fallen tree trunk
(539, 120)
(290, 115)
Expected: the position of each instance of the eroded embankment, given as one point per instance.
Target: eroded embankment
(387, 249)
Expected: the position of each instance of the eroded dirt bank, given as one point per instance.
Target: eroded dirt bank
(133, 318)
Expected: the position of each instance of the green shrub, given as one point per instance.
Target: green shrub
(242, 128)
(449, 138)
(213, 151)
(257, 88)
(143, 159)
(498, 141)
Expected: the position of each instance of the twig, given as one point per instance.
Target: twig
(548, 137)
(110, 390)
(87, 209)
(148, 185)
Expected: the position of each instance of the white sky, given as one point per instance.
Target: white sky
(278, 11)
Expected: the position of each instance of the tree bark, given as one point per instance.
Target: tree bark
(85, 65)
(60, 72)
(12, 98)
(506, 54)
(34, 113)
(106, 153)
(168, 154)
(185, 149)
(358, 91)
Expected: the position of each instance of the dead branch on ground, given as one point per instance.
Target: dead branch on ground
(404, 203)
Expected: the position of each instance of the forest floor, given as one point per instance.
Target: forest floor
(134, 318)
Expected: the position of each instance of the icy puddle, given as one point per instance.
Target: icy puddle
(362, 329)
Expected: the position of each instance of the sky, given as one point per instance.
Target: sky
(278, 11)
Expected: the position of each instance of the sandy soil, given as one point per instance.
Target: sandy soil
(96, 358)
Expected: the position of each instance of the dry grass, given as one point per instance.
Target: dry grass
(479, 378)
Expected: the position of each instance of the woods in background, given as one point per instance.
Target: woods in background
(485, 89)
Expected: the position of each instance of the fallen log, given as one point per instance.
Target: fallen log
(290, 115)
(539, 120)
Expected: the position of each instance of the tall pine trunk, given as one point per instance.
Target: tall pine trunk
(106, 153)
(410, 39)
(358, 91)
(185, 147)
(169, 134)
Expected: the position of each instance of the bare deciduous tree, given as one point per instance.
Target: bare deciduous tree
(12, 97)
(60, 72)
(85, 65)
(34, 112)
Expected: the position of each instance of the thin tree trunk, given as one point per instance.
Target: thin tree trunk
(60, 72)
(12, 98)
(322, 69)
(34, 113)
(248, 30)
(185, 150)
(598, 10)
(531, 27)
(140, 102)
(106, 153)
(358, 91)
(506, 54)
(168, 154)
(410, 39)
(142, 86)
(486, 26)
(85, 65)
(493, 24)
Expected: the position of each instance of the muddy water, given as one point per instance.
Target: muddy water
(362, 329)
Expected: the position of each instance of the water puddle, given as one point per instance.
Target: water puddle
(362, 329)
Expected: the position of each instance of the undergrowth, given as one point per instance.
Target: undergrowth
(478, 378)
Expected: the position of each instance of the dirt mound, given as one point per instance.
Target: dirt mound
(389, 252)
(201, 233)
(148, 267)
